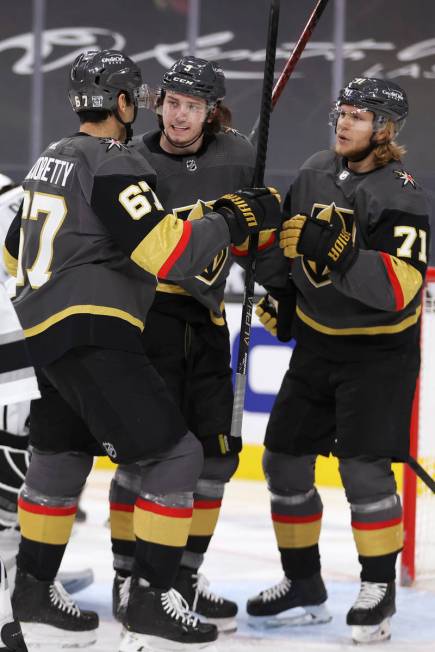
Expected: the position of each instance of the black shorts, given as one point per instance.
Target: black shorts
(194, 361)
(104, 402)
(344, 408)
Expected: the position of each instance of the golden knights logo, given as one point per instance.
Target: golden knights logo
(319, 277)
(196, 212)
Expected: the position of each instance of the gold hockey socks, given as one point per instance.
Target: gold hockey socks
(378, 532)
(207, 501)
(46, 524)
(297, 523)
(161, 527)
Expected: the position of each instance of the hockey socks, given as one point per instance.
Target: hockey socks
(46, 524)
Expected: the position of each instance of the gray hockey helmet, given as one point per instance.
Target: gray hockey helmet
(98, 76)
(382, 97)
(193, 76)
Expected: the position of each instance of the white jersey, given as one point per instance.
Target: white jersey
(9, 204)
(17, 386)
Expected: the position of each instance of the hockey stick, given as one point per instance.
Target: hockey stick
(421, 473)
(258, 180)
(268, 102)
(292, 60)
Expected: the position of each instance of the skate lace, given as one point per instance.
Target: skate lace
(370, 595)
(201, 585)
(124, 591)
(277, 591)
(176, 607)
(62, 600)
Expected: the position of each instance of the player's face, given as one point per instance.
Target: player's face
(354, 131)
(183, 117)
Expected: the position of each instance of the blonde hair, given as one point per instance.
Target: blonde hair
(388, 150)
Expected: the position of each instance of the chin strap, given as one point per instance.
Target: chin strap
(373, 144)
(127, 125)
(185, 144)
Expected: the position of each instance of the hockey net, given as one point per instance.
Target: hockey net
(418, 557)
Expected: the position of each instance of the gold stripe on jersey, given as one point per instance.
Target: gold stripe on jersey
(121, 525)
(157, 246)
(171, 289)
(388, 329)
(375, 543)
(105, 311)
(409, 278)
(297, 535)
(55, 530)
(10, 262)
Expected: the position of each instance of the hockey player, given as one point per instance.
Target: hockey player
(196, 156)
(357, 238)
(94, 238)
(14, 424)
(17, 384)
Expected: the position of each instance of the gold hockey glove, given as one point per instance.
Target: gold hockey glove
(267, 314)
(290, 234)
(248, 211)
(327, 243)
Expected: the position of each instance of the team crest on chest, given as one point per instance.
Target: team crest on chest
(196, 212)
(405, 177)
(319, 276)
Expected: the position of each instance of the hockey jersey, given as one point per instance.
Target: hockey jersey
(92, 236)
(376, 305)
(189, 185)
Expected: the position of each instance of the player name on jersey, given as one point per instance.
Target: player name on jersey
(51, 170)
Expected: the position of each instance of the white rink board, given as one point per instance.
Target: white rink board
(426, 443)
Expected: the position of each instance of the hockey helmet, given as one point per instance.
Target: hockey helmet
(193, 76)
(382, 97)
(98, 76)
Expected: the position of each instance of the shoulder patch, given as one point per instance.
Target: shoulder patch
(405, 177)
(234, 132)
(111, 143)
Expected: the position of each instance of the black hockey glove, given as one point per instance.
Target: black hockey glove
(248, 211)
(326, 243)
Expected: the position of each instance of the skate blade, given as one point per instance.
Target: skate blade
(131, 642)
(75, 581)
(224, 625)
(297, 617)
(367, 634)
(37, 635)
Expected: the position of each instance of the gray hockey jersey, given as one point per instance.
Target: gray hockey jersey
(94, 237)
(376, 305)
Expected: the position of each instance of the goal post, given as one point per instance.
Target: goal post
(418, 556)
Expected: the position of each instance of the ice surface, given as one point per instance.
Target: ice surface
(243, 560)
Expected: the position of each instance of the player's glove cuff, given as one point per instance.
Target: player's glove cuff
(248, 211)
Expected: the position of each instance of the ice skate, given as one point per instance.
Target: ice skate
(120, 595)
(370, 615)
(49, 617)
(290, 603)
(160, 620)
(210, 607)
